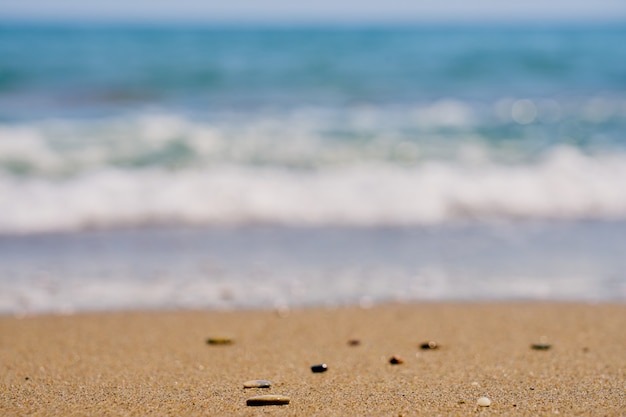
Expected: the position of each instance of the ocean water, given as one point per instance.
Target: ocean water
(237, 167)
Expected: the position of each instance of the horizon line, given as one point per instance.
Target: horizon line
(308, 22)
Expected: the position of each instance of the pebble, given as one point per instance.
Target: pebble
(396, 360)
(269, 399)
(483, 402)
(219, 341)
(541, 346)
(322, 367)
(354, 342)
(431, 344)
(257, 383)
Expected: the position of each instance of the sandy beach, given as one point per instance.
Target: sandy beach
(159, 363)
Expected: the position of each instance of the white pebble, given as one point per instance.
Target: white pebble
(484, 402)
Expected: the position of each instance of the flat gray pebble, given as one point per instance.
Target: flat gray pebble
(257, 383)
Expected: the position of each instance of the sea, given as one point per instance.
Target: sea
(225, 166)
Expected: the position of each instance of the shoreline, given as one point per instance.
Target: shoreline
(159, 362)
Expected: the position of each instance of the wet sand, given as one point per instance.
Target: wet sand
(159, 363)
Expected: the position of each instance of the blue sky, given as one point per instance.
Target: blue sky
(316, 10)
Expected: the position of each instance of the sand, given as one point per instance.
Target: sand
(158, 363)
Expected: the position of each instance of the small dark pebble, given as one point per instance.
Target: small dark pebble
(540, 346)
(396, 360)
(354, 342)
(219, 341)
(27, 378)
(322, 367)
(429, 345)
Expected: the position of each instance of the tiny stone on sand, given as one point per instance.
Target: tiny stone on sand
(541, 346)
(483, 402)
(322, 367)
(431, 344)
(257, 383)
(219, 341)
(396, 360)
(269, 399)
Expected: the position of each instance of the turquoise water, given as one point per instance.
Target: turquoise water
(76, 69)
(310, 133)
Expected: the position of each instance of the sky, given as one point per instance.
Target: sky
(314, 11)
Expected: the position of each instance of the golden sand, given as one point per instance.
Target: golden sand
(159, 363)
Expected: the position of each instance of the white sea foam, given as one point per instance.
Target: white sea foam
(302, 137)
(420, 164)
(564, 185)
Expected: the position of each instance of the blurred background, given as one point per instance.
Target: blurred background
(272, 154)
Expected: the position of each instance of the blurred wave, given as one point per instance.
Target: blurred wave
(119, 126)
(367, 167)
